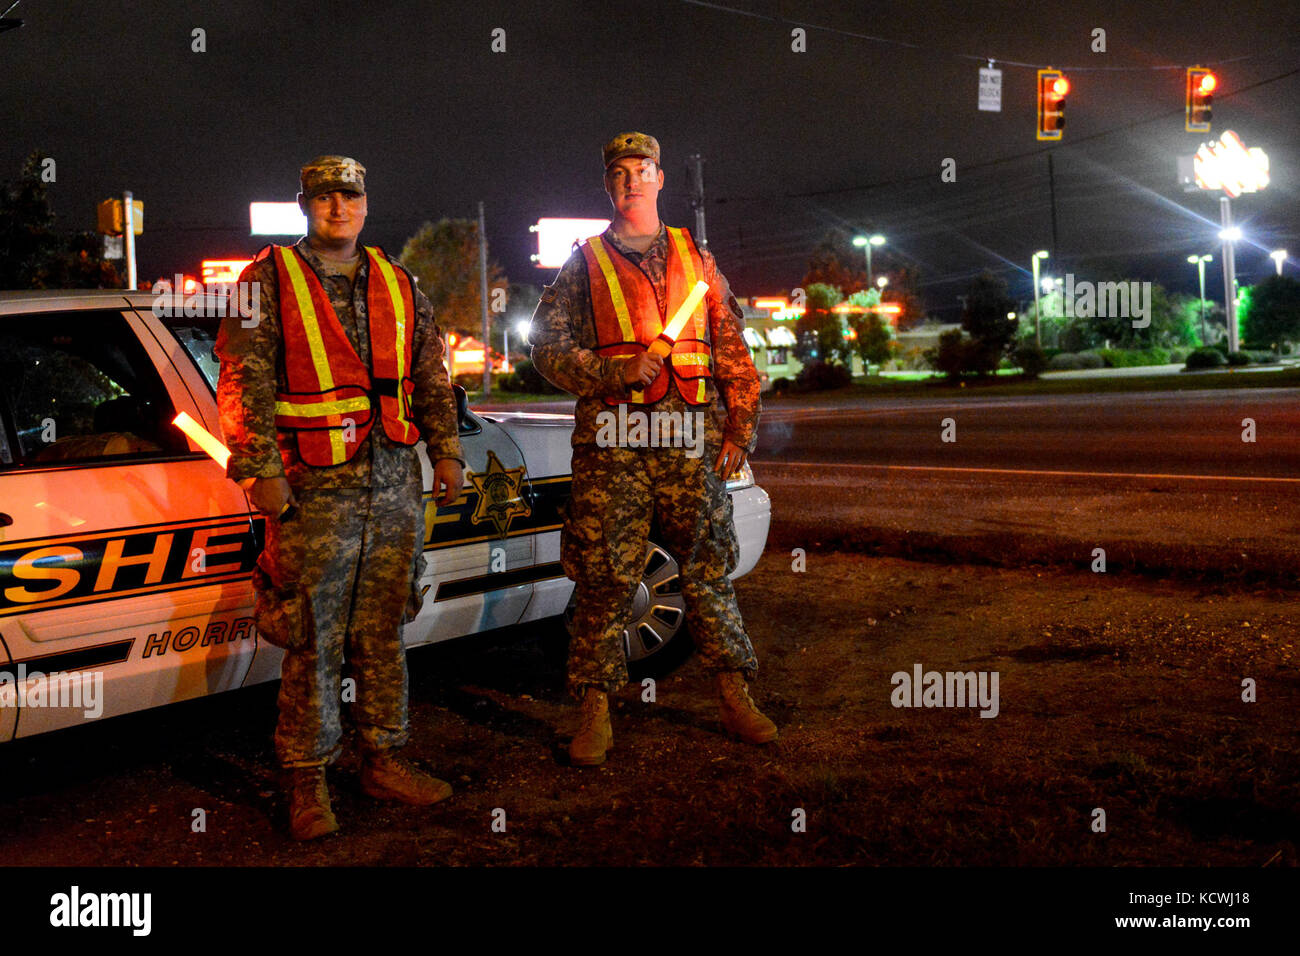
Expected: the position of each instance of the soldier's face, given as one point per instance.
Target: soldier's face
(335, 217)
(633, 184)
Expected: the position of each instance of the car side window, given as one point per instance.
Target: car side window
(79, 386)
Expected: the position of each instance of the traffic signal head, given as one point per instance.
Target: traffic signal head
(1201, 84)
(1052, 90)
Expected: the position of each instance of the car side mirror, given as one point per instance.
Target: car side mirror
(463, 420)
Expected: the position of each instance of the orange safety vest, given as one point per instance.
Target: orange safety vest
(328, 401)
(628, 317)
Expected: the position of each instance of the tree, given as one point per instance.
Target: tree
(873, 333)
(984, 318)
(444, 257)
(819, 331)
(836, 262)
(34, 254)
(1270, 312)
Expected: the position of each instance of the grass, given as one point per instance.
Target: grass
(928, 386)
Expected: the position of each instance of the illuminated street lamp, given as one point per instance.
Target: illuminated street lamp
(866, 242)
(1199, 262)
(1278, 256)
(1038, 332)
(882, 281)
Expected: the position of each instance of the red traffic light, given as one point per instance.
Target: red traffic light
(1201, 84)
(1052, 88)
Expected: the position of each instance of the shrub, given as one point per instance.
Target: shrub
(1207, 357)
(1031, 359)
(820, 376)
(1177, 355)
(1073, 361)
(526, 378)
(782, 385)
(1133, 358)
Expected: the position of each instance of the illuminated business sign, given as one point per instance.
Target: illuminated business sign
(1228, 165)
(276, 219)
(222, 270)
(556, 238)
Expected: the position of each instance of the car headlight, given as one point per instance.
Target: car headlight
(744, 478)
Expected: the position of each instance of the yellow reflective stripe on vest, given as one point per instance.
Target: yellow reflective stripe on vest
(312, 409)
(690, 358)
(683, 253)
(399, 311)
(688, 264)
(311, 325)
(615, 290)
(699, 392)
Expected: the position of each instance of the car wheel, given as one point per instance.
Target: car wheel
(657, 639)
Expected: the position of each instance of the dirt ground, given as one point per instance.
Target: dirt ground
(1115, 692)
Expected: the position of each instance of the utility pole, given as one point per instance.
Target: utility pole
(483, 292)
(1051, 188)
(695, 176)
(128, 239)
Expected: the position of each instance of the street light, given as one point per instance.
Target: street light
(866, 242)
(882, 281)
(1278, 256)
(1231, 234)
(1199, 262)
(1038, 331)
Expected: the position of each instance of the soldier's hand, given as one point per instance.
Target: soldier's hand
(271, 495)
(730, 458)
(642, 369)
(448, 474)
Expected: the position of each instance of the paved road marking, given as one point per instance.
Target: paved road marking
(1018, 471)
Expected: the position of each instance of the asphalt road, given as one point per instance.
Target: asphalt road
(1161, 482)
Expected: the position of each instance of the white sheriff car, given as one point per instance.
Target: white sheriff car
(126, 555)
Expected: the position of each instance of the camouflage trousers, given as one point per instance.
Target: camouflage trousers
(617, 494)
(336, 578)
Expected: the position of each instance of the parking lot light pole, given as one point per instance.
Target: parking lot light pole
(1038, 327)
(1199, 262)
(866, 242)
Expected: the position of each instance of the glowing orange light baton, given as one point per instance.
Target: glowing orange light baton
(203, 438)
(664, 344)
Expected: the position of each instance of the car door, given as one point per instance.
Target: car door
(480, 550)
(126, 553)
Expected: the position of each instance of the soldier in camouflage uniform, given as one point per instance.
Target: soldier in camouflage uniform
(344, 540)
(619, 491)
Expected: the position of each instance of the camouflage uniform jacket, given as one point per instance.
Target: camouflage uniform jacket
(252, 371)
(563, 335)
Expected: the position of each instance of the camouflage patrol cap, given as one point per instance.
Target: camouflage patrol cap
(631, 144)
(327, 173)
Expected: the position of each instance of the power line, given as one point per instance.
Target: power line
(889, 41)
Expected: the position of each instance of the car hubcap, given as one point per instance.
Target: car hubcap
(658, 607)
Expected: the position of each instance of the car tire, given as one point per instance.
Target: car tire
(657, 640)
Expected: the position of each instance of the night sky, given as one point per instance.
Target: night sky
(851, 133)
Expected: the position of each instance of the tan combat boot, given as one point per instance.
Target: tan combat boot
(594, 735)
(310, 815)
(740, 715)
(387, 776)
